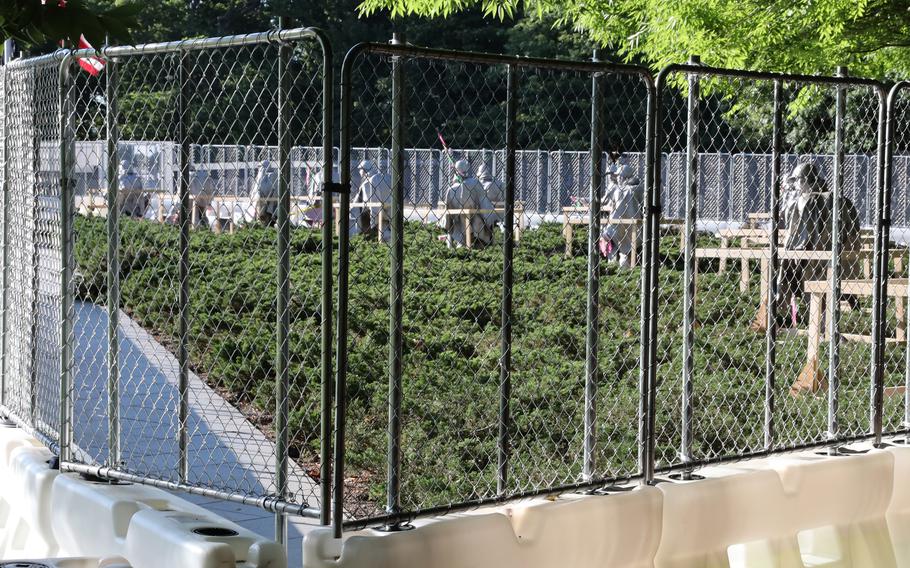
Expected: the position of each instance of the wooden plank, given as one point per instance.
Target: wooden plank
(724, 244)
(810, 378)
(783, 254)
(892, 392)
(567, 232)
(901, 317)
(744, 233)
(897, 287)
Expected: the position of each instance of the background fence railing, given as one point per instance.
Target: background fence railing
(735, 184)
(144, 342)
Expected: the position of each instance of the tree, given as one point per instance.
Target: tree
(40, 23)
(870, 36)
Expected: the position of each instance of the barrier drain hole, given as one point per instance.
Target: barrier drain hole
(686, 476)
(213, 531)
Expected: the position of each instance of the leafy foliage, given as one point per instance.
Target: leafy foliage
(35, 23)
(811, 37)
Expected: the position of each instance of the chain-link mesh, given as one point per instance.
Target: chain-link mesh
(177, 368)
(896, 360)
(744, 345)
(483, 363)
(32, 233)
(452, 125)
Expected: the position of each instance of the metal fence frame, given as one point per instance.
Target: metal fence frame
(692, 70)
(273, 503)
(395, 518)
(884, 229)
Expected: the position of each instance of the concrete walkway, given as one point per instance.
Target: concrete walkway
(225, 450)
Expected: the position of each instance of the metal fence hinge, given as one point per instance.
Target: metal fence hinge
(336, 187)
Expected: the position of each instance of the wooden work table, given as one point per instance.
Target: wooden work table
(382, 217)
(581, 216)
(810, 378)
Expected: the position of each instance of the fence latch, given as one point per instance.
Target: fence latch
(336, 187)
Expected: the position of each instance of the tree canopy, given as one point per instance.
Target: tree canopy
(872, 37)
(36, 23)
(775, 36)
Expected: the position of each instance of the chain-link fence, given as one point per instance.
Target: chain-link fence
(766, 317)
(167, 264)
(483, 334)
(514, 316)
(32, 245)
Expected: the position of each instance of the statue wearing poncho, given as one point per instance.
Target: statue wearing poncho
(202, 188)
(375, 188)
(264, 195)
(623, 199)
(467, 192)
(131, 195)
(495, 192)
(808, 220)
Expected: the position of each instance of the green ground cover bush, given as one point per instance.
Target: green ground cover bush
(452, 349)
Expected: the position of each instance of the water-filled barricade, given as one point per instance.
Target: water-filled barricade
(49, 518)
(790, 511)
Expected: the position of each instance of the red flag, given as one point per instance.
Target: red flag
(448, 152)
(92, 65)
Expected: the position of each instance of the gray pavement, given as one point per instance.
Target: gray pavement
(225, 451)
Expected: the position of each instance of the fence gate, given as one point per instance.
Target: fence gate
(188, 346)
(895, 292)
(30, 390)
(501, 363)
(767, 315)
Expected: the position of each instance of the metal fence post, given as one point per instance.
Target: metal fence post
(650, 282)
(592, 370)
(325, 465)
(36, 250)
(692, 133)
(284, 289)
(113, 265)
(184, 90)
(4, 343)
(67, 146)
(396, 288)
(341, 349)
(881, 269)
(771, 299)
(649, 234)
(508, 252)
(835, 296)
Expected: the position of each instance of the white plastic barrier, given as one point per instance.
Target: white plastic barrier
(46, 514)
(67, 563)
(25, 490)
(590, 531)
(899, 509)
(151, 527)
(788, 512)
(837, 508)
(703, 519)
(805, 511)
